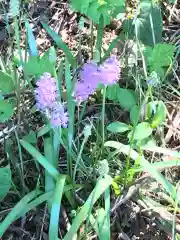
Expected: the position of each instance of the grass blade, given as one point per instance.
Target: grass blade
(55, 209)
(41, 159)
(31, 40)
(107, 212)
(44, 197)
(11, 217)
(101, 186)
(49, 180)
(100, 35)
(60, 44)
(71, 106)
(145, 164)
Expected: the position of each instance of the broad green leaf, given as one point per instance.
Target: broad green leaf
(162, 54)
(127, 98)
(160, 115)
(6, 83)
(37, 67)
(5, 181)
(6, 110)
(147, 23)
(80, 5)
(31, 137)
(134, 114)
(95, 11)
(112, 92)
(143, 130)
(60, 44)
(118, 127)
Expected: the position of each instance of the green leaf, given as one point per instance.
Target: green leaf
(38, 66)
(118, 127)
(5, 181)
(51, 55)
(112, 92)
(127, 98)
(55, 209)
(41, 159)
(162, 54)
(126, 149)
(31, 40)
(160, 115)
(143, 130)
(80, 5)
(60, 44)
(103, 225)
(6, 110)
(31, 137)
(134, 114)
(100, 35)
(143, 27)
(85, 211)
(19, 207)
(6, 83)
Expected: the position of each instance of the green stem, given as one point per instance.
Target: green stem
(103, 115)
(79, 157)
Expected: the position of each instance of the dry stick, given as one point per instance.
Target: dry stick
(45, 211)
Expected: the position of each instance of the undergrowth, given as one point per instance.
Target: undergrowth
(102, 145)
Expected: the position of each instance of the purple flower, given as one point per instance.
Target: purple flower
(109, 71)
(92, 74)
(47, 101)
(46, 92)
(58, 116)
(83, 90)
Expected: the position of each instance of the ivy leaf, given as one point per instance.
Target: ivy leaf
(6, 83)
(118, 127)
(127, 98)
(143, 130)
(6, 110)
(5, 181)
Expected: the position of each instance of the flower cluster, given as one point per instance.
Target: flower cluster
(92, 74)
(46, 95)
